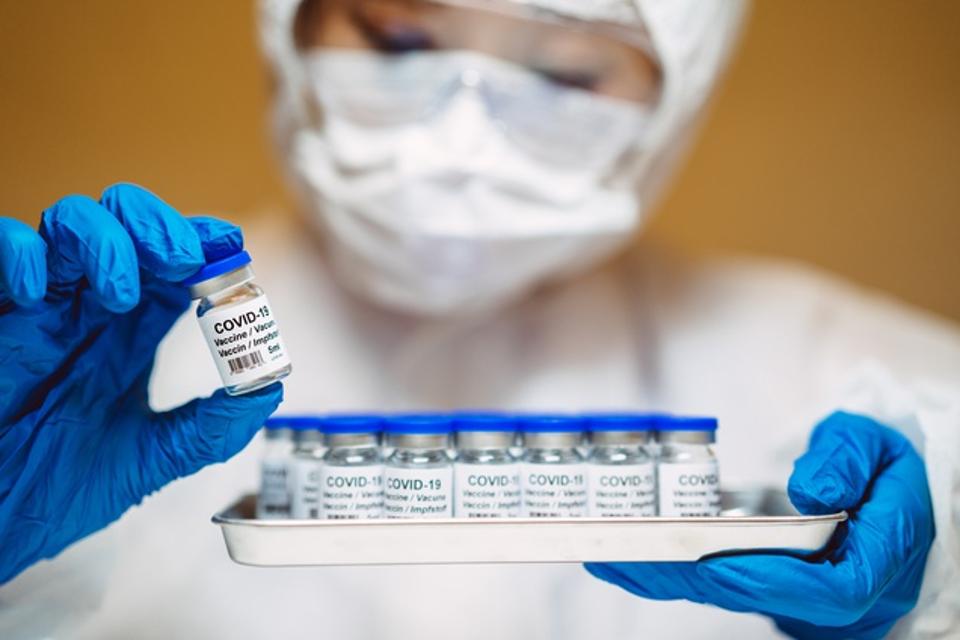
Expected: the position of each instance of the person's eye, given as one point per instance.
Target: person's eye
(403, 41)
(584, 80)
(394, 36)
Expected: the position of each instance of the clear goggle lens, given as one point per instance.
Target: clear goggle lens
(565, 93)
(558, 124)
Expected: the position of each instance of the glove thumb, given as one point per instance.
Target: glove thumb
(845, 453)
(205, 431)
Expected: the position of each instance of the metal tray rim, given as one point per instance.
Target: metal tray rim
(223, 519)
(443, 541)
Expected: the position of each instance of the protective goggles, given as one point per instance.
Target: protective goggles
(564, 94)
(559, 125)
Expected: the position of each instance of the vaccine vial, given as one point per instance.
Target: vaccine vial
(238, 324)
(688, 475)
(418, 475)
(306, 468)
(274, 498)
(351, 484)
(621, 474)
(486, 481)
(553, 476)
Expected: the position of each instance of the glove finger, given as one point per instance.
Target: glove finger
(891, 534)
(218, 237)
(783, 585)
(84, 239)
(882, 556)
(652, 580)
(204, 431)
(23, 263)
(167, 244)
(845, 452)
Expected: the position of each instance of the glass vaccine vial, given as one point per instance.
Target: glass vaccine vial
(688, 476)
(621, 473)
(238, 324)
(274, 498)
(553, 476)
(418, 475)
(486, 480)
(351, 484)
(306, 468)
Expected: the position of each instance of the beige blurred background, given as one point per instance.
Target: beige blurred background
(835, 139)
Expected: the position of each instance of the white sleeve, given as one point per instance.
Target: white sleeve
(53, 597)
(928, 413)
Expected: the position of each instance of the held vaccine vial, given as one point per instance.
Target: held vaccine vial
(621, 476)
(306, 468)
(418, 475)
(553, 475)
(274, 498)
(238, 324)
(351, 484)
(486, 475)
(687, 472)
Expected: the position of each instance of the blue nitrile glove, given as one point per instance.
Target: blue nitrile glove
(83, 305)
(866, 579)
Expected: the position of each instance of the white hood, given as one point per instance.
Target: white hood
(691, 39)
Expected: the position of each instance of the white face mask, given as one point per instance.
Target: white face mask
(450, 211)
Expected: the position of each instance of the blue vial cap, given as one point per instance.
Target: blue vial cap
(417, 424)
(352, 423)
(623, 421)
(484, 421)
(219, 267)
(302, 422)
(277, 422)
(550, 423)
(687, 423)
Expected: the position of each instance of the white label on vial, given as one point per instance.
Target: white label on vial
(554, 490)
(486, 490)
(351, 493)
(689, 489)
(274, 499)
(305, 488)
(418, 493)
(244, 340)
(622, 491)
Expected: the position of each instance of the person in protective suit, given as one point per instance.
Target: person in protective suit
(474, 171)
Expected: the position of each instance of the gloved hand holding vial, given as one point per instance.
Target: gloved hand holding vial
(85, 302)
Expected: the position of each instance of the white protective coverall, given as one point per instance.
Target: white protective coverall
(768, 347)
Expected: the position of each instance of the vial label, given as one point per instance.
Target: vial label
(622, 491)
(305, 485)
(274, 498)
(486, 491)
(244, 340)
(351, 493)
(689, 489)
(418, 493)
(554, 490)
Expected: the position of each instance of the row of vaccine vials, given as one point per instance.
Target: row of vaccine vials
(488, 465)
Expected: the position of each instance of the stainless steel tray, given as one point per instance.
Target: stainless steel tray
(751, 520)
